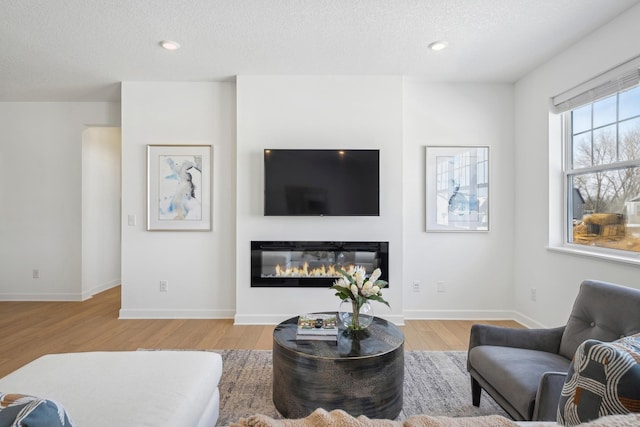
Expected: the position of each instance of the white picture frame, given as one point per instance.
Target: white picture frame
(457, 188)
(179, 187)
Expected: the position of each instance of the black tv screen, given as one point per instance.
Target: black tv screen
(322, 182)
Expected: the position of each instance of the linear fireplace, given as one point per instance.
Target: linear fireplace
(313, 264)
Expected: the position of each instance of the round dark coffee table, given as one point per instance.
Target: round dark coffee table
(362, 373)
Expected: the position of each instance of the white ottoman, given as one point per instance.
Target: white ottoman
(130, 388)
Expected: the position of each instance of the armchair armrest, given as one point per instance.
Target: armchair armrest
(534, 339)
(548, 396)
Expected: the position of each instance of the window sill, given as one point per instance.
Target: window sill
(600, 253)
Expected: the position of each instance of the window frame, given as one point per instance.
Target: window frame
(569, 171)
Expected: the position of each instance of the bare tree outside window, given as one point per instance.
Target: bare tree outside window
(604, 174)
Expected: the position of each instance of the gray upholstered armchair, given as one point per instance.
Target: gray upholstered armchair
(524, 369)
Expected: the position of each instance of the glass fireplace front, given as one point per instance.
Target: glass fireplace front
(313, 264)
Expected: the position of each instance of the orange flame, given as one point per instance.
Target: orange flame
(304, 271)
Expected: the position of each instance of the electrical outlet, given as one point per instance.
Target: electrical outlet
(164, 286)
(441, 287)
(533, 294)
(36, 273)
(416, 286)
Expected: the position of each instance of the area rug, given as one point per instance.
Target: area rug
(435, 383)
(339, 418)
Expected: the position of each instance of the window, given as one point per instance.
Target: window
(602, 171)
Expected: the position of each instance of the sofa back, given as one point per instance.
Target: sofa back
(601, 311)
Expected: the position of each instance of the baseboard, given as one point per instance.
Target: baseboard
(174, 314)
(42, 297)
(100, 288)
(459, 315)
(472, 315)
(60, 297)
(528, 322)
(271, 319)
(268, 319)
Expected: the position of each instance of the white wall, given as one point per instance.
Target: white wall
(315, 112)
(485, 274)
(40, 188)
(538, 192)
(199, 266)
(100, 209)
(476, 268)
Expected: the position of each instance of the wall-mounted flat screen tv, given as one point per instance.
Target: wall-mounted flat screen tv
(322, 182)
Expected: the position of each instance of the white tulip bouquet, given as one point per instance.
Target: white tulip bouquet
(356, 286)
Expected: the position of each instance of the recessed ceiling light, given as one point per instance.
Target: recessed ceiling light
(439, 45)
(170, 45)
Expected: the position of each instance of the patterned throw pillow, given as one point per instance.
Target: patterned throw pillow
(19, 410)
(603, 379)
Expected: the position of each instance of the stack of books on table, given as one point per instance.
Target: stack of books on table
(317, 326)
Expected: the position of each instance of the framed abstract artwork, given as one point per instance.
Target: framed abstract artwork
(457, 188)
(179, 187)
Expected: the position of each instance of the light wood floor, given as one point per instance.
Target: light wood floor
(32, 329)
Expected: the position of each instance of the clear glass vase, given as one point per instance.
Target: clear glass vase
(354, 317)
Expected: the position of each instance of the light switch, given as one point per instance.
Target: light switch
(132, 220)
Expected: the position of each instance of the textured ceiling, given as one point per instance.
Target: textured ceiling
(79, 50)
